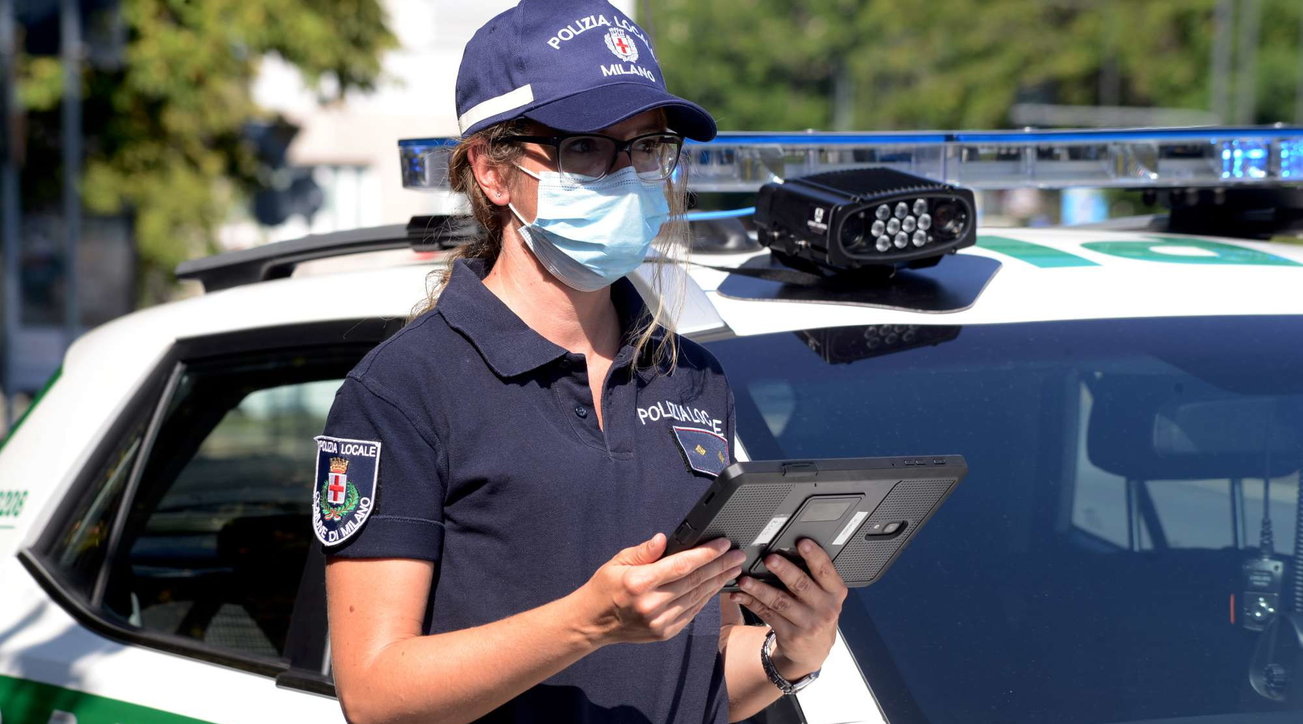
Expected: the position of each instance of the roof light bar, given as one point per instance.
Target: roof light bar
(424, 163)
(1138, 158)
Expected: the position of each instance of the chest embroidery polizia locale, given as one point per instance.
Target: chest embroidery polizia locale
(699, 434)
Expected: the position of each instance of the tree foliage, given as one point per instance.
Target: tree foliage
(772, 64)
(164, 127)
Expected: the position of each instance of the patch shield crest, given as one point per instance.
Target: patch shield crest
(344, 493)
(704, 451)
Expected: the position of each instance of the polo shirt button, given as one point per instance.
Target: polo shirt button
(565, 363)
(581, 411)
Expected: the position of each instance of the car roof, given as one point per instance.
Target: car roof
(1177, 276)
(1087, 279)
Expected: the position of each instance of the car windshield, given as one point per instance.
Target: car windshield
(1107, 558)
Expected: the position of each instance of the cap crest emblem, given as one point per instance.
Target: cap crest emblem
(622, 45)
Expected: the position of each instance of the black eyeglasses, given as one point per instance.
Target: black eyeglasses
(584, 157)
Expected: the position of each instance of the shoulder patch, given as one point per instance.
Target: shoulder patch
(705, 451)
(344, 491)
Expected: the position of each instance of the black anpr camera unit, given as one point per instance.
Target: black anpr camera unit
(864, 218)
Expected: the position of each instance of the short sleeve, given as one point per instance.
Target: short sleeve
(404, 518)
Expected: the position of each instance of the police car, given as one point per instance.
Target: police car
(1129, 399)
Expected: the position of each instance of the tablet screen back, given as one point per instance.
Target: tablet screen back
(863, 511)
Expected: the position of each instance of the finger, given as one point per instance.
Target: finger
(704, 591)
(684, 563)
(716, 542)
(646, 578)
(648, 551)
(688, 605)
(780, 603)
(798, 582)
(731, 560)
(781, 626)
(685, 617)
(821, 567)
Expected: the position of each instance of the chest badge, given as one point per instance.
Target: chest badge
(344, 493)
(703, 450)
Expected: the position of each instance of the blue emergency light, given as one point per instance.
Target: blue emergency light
(1131, 158)
(1241, 182)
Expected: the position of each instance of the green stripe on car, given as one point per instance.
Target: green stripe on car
(1166, 249)
(1034, 254)
(22, 700)
(1181, 250)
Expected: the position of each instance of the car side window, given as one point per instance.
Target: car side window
(79, 550)
(214, 552)
(192, 533)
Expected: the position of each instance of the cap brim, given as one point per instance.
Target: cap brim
(592, 110)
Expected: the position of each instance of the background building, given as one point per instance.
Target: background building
(352, 147)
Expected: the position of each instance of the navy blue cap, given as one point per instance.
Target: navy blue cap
(575, 65)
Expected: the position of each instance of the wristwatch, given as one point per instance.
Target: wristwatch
(785, 686)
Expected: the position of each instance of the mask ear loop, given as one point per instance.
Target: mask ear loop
(511, 206)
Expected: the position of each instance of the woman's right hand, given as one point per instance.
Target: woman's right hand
(638, 596)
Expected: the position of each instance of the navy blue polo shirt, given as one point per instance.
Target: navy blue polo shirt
(469, 440)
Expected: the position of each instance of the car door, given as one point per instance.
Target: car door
(178, 576)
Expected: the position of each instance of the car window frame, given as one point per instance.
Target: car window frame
(304, 663)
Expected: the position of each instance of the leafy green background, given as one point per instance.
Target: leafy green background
(164, 140)
(774, 65)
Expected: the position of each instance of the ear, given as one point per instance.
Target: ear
(491, 177)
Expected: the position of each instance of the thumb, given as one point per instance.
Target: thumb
(649, 551)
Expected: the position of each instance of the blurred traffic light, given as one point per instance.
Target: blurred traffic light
(282, 191)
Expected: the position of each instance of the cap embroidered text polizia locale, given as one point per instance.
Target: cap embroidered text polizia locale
(574, 65)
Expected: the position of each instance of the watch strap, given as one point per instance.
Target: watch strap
(785, 686)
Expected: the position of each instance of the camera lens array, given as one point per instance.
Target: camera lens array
(864, 219)
(900, 225)
(889, 335)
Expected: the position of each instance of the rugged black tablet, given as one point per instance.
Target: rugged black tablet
(863, 511)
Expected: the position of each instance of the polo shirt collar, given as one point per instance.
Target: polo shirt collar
(508, 345)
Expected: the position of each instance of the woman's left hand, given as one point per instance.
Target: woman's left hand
(804, 617)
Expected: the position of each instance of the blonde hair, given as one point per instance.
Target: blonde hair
(658, 352)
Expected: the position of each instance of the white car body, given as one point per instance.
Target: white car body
(43, 643)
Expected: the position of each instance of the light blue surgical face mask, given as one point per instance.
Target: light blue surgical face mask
(588, 235)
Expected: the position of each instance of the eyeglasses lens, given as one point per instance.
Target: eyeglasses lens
(590, 157)
(654, 157)
(587, 157)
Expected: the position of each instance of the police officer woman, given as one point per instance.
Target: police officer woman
(493, 480)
